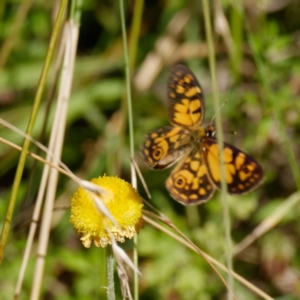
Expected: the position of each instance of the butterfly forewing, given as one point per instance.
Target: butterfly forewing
(165, 146)
(186, 102)
(242, 172)
(189, 183)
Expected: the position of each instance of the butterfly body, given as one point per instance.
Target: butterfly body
(195, 148)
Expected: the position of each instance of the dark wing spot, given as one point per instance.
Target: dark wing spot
(157, 153)
(180, 182)
(198, 110)
(245, 169)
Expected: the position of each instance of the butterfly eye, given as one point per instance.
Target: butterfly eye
(157, 153)
(180, 182)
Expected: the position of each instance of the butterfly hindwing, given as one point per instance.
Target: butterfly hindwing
(242, 172)
(165, 146)
(186, 102)
(189, 183)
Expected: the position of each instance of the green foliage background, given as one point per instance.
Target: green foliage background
(260, 83)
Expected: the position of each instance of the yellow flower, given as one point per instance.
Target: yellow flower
(124, 204)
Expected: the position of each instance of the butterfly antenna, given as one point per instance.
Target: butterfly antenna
(220, 109)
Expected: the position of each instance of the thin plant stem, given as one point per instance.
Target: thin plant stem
(130, 114)
(136, 264)
(215, 92)
(56, 143)
(76, 11)
(102, 275)
(36, 104)
(110, 274)
(127, 75)
(36, 213)
(133, 46)
(37, 209)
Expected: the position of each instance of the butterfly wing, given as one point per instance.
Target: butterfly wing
(189, 183)
(186, 101)
(242, 172)
(165, 146)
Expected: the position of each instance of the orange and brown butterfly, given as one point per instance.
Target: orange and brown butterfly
(194, 147)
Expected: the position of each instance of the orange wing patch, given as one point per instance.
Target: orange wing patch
(242, 172)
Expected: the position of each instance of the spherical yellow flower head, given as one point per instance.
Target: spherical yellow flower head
(123, 202)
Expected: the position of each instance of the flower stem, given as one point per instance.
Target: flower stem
(110, 274)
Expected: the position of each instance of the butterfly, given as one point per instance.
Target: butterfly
(194, 147)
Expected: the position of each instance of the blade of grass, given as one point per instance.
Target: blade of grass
(36, 104)
(56, 143)
(33, 225)
(215, 91)
(127, 76)
(133, 46)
